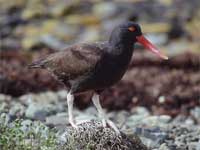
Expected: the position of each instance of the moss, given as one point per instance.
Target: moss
(92, 135)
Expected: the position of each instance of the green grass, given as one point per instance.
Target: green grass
(29, 135)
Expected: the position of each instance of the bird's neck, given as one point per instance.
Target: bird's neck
(121, 54)
(121, 47)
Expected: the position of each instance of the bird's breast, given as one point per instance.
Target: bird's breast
(107, 72)
(112, 69)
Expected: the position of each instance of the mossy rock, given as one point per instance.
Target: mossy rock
(92, 135)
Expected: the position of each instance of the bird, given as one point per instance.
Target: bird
(84, 67)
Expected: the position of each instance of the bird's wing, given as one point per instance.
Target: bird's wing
(72, 62)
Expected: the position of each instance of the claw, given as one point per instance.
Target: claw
(113, 126)
(104, 122)
(73, 124)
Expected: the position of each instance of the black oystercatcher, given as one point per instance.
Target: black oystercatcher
(94, 67)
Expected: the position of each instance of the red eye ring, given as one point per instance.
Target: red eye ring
(132, 29)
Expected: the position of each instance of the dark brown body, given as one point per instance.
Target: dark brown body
(87, 67)
(109, 70)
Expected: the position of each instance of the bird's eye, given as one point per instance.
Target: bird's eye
(132, 29)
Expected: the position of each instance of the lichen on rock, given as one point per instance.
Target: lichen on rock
(92, 135)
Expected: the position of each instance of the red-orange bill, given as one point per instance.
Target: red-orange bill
(147, 44)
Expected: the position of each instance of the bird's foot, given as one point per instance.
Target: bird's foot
(73, 124)
(110, 124)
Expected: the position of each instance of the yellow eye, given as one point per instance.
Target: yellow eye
(132, 29)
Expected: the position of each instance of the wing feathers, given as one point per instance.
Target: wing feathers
(36, 64)
(73, 61)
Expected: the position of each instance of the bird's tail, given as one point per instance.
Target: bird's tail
(36, 64)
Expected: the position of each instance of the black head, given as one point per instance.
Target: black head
(126, 33)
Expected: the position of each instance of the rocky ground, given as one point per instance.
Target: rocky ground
(157, 101)
(156, 131)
